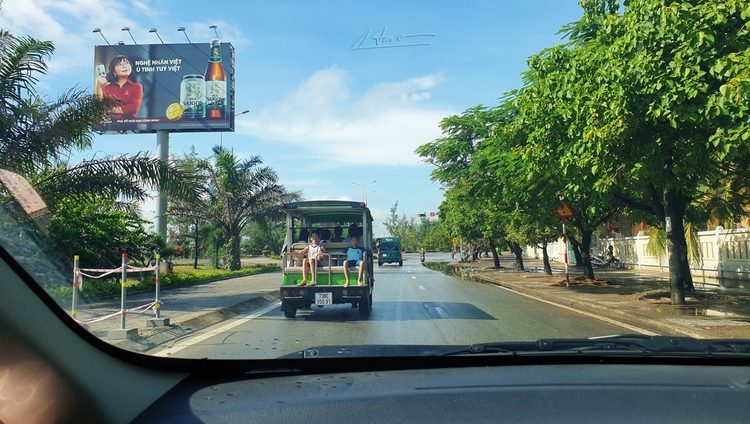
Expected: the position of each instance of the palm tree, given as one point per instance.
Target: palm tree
(37, 137)
(235, 192)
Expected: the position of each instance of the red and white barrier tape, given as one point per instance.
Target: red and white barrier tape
(137, 310)
(80, 274)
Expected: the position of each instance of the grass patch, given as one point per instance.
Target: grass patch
(183, 275)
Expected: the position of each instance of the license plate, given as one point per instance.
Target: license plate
(322, 299)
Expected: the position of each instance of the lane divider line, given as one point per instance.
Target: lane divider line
(588, 314)
(233, 323)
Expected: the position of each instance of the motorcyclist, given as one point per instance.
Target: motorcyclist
(421, 255)
(610, 255)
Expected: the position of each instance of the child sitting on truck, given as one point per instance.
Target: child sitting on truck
(354, 257)
(311, 262)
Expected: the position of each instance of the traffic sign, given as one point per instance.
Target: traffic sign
(564, 211)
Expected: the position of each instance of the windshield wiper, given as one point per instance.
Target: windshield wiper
(626, 344)
(632, 343)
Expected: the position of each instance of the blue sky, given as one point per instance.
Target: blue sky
(321, 114)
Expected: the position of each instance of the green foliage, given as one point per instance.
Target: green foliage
(404, 228)
(99, 234)
(234, 193)
(427, 234)
(93, 289)
(260, 234)
(433, 236)
(657, 243)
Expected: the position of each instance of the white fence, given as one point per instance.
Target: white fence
(725, 254)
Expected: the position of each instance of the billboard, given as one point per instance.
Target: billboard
(174, 87)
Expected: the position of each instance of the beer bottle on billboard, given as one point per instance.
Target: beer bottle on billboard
(216, 84)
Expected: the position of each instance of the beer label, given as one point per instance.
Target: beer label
(192, 98)
(216, 95)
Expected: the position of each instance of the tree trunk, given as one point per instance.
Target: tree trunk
(234, 253)
(680, 279)
(576, 250)
(588, 269)
(495, 257)
(545, 258)
(516, 249)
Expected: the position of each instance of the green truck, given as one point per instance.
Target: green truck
(323, 217)
(389, 251)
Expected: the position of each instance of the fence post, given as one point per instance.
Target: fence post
(157, 306)
(124, 290)
(638, 249)
(719, 268)
(75, 287)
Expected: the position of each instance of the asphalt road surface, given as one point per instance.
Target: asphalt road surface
(411, 305)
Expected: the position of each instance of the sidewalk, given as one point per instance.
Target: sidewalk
(188, 308)
(638, 298)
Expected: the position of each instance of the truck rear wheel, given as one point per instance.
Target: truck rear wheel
(291, 313)
(364, 309)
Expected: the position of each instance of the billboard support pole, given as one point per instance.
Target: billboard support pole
(162, 152)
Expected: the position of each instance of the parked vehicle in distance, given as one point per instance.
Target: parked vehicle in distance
(317, 216)
(389, 251)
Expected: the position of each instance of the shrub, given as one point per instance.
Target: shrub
(94, 288)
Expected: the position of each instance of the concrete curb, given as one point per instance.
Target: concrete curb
(185, 328)
(210, 318)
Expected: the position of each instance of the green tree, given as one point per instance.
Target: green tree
(460, 165)
(658, 103)
(235, 193)
(99, 235)
(404, 228)
(260, 234)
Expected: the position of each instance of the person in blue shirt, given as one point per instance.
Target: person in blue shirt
(355, 257)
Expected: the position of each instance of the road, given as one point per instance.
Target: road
(411, 305)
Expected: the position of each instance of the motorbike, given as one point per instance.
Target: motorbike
(421, 257)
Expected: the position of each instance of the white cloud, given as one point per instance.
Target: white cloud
(382, 126)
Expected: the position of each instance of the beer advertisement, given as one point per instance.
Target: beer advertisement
(174, 87)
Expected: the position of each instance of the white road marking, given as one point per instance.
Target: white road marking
(233, 323)
(441, 312)
(414, 278)
(588, 314)
(422, 287)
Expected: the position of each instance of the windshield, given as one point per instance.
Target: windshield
(572, 170)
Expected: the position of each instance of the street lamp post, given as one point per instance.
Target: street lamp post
(369, 193)
(363, 188)
(221, 134)
(195, 264)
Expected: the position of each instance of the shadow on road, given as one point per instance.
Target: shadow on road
(399, 311)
